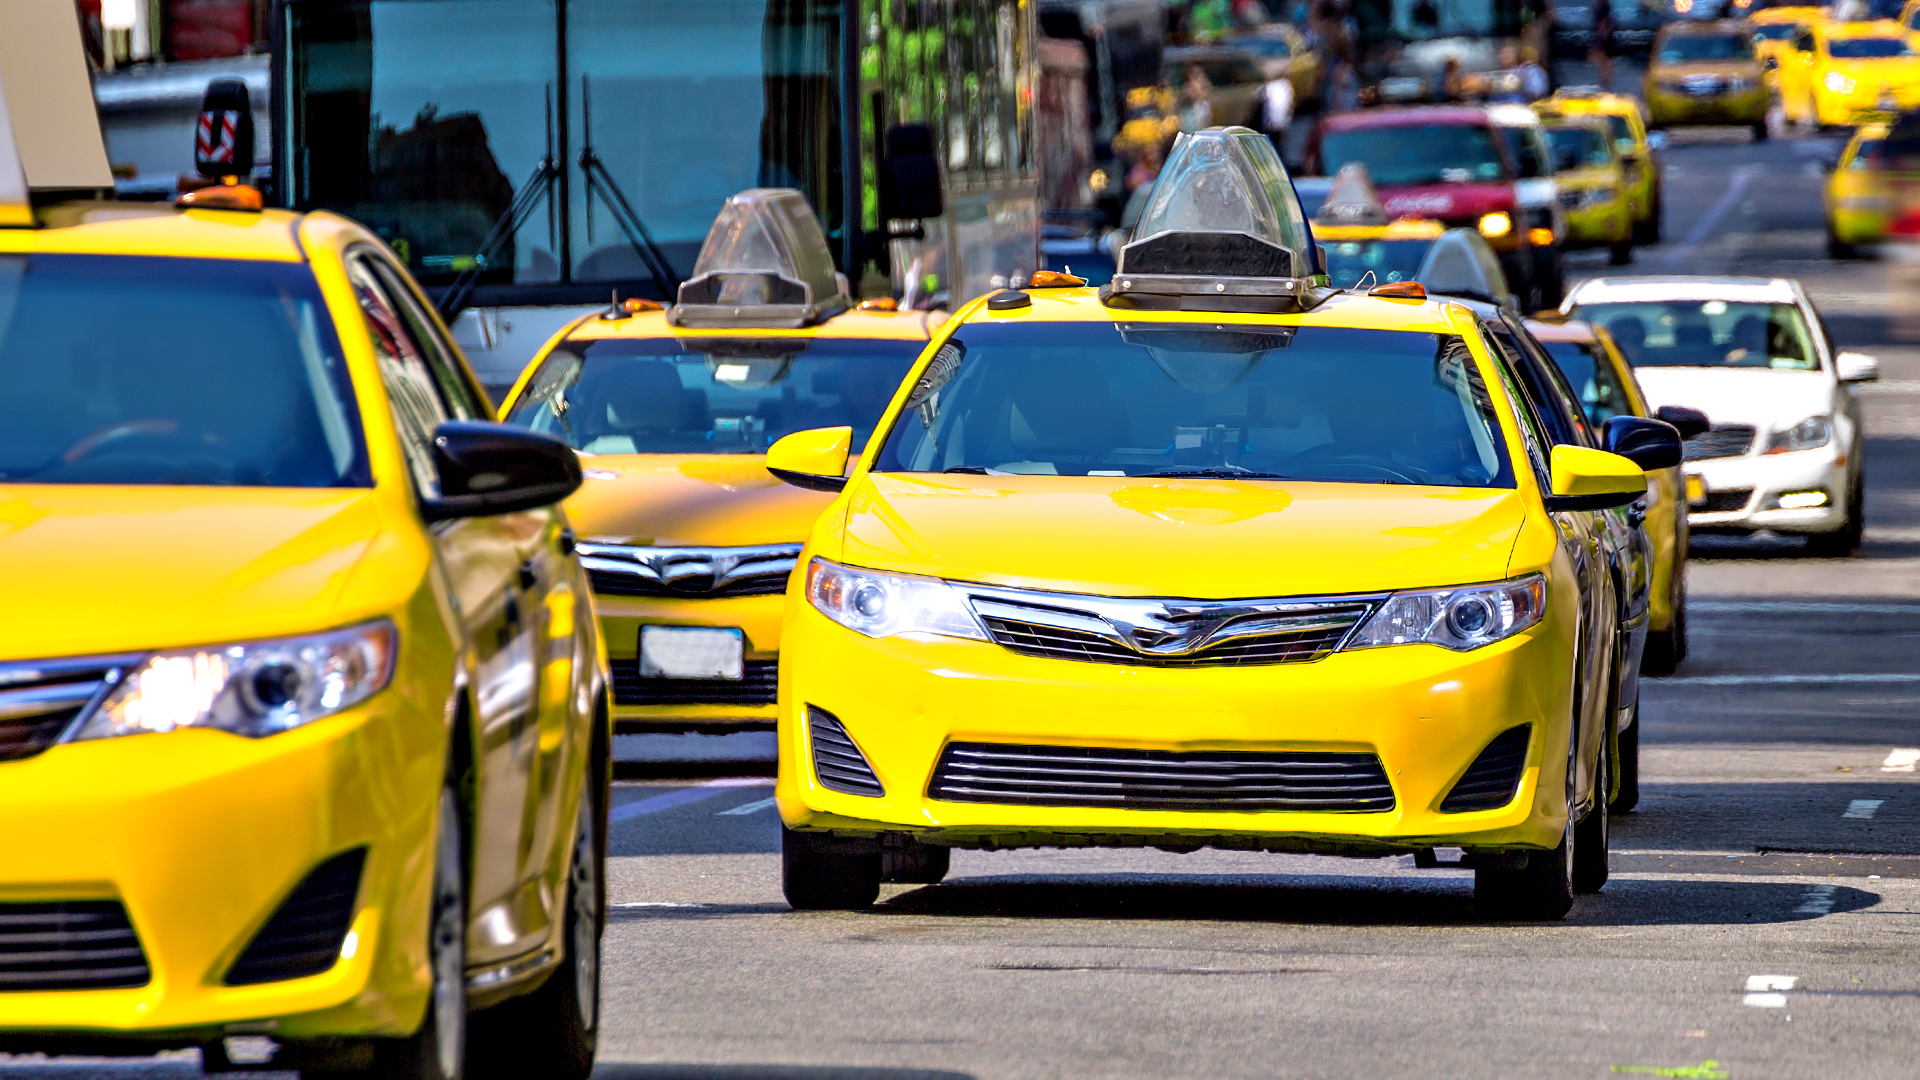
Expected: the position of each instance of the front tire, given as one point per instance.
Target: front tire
(1541, 891)
(1628, 741)
(818, 875)
(1620, 254)
(1844, 541)
(1648, 231)
(1760, 131)
(1667, 649)
(1593, 834)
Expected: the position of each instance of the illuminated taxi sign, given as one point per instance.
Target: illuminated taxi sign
(765, 263)
(1222, 231)
(1351, 200)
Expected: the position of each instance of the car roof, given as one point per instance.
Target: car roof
(1408, 116)
(1347, 310)
(1876, 28)
(157, 229)
(1628, 290)
(848, 325)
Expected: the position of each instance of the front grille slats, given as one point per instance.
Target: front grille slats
(69, 945)
(1489, 783)
(759, 684)
(1728, 501)
(704, 573)
(39, 699)
(1725, 440)
(1292, 640)
(837, 761)
(304, 935)
(1161, 779)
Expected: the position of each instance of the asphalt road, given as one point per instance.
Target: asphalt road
(1763, 920)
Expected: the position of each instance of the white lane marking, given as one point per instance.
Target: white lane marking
(671, 799)
(1682, 253)
(1786, 607)
(1901, 760)
(1771, 680)
(1862, 809)
(1763, 991)
(1817, 901)
(656, 903)
(748, 808)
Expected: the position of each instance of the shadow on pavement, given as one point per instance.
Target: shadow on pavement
(670, 1071)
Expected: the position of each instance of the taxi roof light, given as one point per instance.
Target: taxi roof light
(765, 263)
(1222, 231)
(1351, 200)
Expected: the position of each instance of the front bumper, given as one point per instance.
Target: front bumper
(1426, 712)
(1737, 107)
(200, 835)
(1858, 218)
(1743, 493)
(1607, 223)
(643, 705)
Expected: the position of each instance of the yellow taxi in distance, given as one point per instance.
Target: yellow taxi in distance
(1858, 200)
(1845, 73)
(688, 540)
(1706, 73)
(1773, 31)
(303, 721)
(1209, 559)
(1593, 186)
(1639, 150)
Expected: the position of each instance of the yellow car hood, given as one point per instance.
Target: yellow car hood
(1133, 536)
(721, 500)
(119, 569)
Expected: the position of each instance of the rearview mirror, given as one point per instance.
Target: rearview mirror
(487, 468)
(1586, 479)
(1856, 367)
(1650, 444)
(816, 459)
(1688, 422)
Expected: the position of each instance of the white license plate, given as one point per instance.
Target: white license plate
(678, 652)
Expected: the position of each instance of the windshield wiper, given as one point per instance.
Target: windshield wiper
(976, 470)
(600, 180)
(1220, 472)
(537, 189)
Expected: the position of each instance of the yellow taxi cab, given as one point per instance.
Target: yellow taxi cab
(1208, 559)
(1706, 73)
(1358, 239)
(303, 721)
(687, 538)
(1593, 186)
(1599, 372)
(1639, 149)
(1773, 31)
(1858, 201)
(1846, 73)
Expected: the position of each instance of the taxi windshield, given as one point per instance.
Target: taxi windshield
(1775, 31)
(1417, 153)
(1578, 147)
(201, 372)
(710, 395)
(1707, 333)
(1691, 48)
(1222, 401)
(1348, 261)
(1592, 376)
(1867, 48)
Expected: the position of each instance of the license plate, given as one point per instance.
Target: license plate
(1696, 490)
(677, 652)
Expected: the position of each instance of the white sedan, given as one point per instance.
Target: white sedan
(1784, 452)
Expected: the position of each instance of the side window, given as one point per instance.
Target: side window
(416, 402)
(455, 389)
(1556, 388)
(1553, 417)
(1532, 436)
(1609, 397)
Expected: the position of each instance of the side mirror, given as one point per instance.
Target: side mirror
(488, 468)
(1650, 444)
(815, 460)
(1688, 422)
(1585, 479)
(1856, 367)
(1656, 141)
(913, 174)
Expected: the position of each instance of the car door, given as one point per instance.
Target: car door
(482, 558)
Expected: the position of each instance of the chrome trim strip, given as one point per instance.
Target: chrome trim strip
(512, 969)
(692, 570)
(1165, 627)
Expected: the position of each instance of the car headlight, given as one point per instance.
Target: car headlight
(881, 605)
(1461, 618)
(254, 689)
(1495, 225)
(1837, 83)
(1808, 434)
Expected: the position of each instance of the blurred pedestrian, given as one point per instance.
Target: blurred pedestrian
(1276, 113)
(1534, 83)
(1600, 44)
(1451, 88)
(1196, 100)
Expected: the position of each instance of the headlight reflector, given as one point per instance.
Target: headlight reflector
(1838, 83)
(1495, 225)
(255, 689)
(1460, 618)
(879, 604)
(1808, 434)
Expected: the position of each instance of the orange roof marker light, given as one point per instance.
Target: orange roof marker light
(765, 264)
(1054, 279)
(1400, 290)
(242, 197)
(879, 303)
(1222, 231)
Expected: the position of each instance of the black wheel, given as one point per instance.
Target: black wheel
(1760, 131)
(817, 874)
(1649, 231)
(1844, 541)
(1667, 648)
(1627, 796)
(1620, 254)
(554, 1031)
(1839, 249)
(1541, 891)
(1591, 836)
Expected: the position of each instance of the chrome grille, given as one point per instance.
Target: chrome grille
(39, 699)
(1160, 779)
(1164, 632)
(1731, 440)
(621, 570)
(70, 945)
(1729, 501)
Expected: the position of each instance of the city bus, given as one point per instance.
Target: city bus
(532, 159)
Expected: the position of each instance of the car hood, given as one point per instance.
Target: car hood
(683, 500)
(1588, 176)
(1767, 399)
(1736, 68)
(94, 569)
(1134, 536)
(1449, 202)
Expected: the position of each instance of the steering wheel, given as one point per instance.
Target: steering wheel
(1324, 453)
